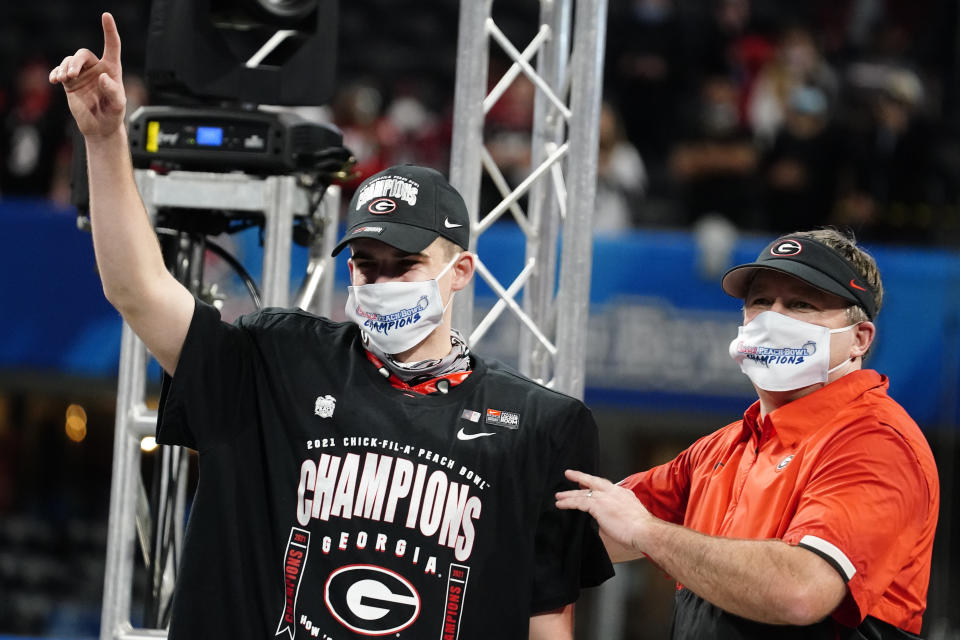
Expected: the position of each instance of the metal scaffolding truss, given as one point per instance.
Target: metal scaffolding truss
(559, 188)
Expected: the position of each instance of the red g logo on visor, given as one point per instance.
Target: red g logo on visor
(786, 248)
(381, 206)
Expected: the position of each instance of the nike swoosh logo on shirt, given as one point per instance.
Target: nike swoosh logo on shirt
(450, 225)
(462, 435)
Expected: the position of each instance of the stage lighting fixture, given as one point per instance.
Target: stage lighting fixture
(236, 52)
(286, 9)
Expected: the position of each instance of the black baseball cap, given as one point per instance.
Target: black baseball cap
(407, 207)
(811, 261)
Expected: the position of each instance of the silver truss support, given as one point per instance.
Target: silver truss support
(560, 190)
(560, 186)
(467, 139)
(573, 296)
(279, 199)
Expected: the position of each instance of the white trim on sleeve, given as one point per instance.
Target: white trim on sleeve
(832, 552)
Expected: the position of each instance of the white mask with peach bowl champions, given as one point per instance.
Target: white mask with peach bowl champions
(780, 353)
(397, 316)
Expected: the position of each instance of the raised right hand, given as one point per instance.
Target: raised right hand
(94, 86)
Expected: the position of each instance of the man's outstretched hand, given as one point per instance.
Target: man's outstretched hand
(622, 517)
(94, 86)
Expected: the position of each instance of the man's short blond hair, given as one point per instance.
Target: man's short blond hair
(449, 247)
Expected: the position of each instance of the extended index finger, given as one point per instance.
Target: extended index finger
(111, 39)
(585, 480)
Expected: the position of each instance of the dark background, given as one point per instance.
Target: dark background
(748, 117)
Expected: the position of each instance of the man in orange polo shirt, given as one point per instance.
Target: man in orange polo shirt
(814, 516)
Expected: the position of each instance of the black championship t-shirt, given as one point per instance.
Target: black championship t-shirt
(331, 505)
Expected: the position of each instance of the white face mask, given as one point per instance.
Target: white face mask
(398, 316)
(780, 353)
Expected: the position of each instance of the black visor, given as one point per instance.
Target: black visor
(811, 261)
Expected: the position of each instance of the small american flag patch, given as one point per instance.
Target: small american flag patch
(472, 416)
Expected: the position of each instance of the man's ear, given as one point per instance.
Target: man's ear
(350, 267)
(463, 270)
(863, 335)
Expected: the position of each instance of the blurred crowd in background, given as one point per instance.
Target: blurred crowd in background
(750, 115)
(766, 114)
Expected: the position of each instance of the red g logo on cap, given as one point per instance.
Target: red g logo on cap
(786, 248)
(382, 206)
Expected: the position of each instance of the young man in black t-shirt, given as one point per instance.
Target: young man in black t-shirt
(357, 479)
